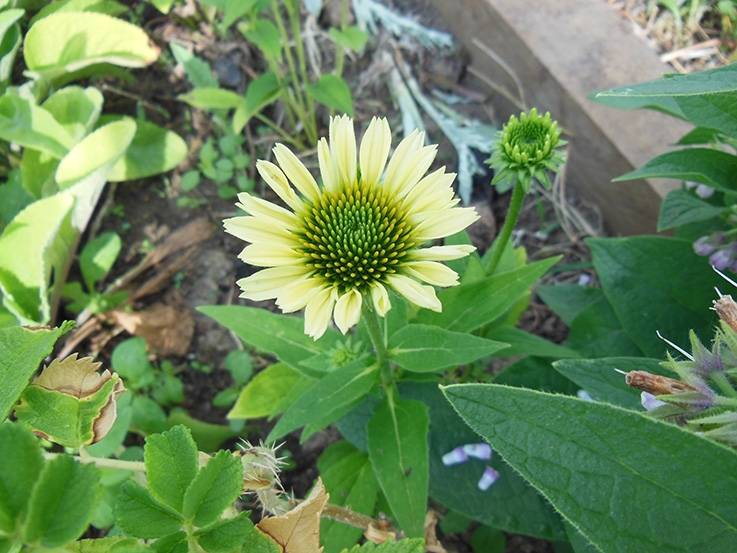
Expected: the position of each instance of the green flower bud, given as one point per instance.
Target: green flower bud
(528, 147)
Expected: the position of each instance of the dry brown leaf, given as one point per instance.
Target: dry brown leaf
(298, 531)
(167, 329)
(379, 532)
(432, 544)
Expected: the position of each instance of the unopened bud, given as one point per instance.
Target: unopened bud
(726, 308)
(656, 384)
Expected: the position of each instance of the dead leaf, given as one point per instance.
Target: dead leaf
(167, 329)
(380, 531)
(432, 544)
(298, 531)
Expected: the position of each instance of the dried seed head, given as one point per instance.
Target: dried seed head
(726, 308)
(656, 384)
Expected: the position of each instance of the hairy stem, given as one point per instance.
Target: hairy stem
(378, 340)
(500, 244)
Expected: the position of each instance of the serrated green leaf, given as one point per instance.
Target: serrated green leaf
(20, 466)
(21, 352)
(67, 42)
(349, 479)
(583, 454)
(425, 348)
(470, 306)
(280, 335)
(198, 71)
(333, 392)
(681, 207)
(265, 394)
(140, 515)
(401, 546)
(216, 486)
(171, 465)
(227, 535)
(62, 502)
(398, 450)
(98, 256)
(704, 165)
(333, 92)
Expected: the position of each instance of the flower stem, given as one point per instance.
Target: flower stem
(382, 355)
(500, 244)
(135, 466)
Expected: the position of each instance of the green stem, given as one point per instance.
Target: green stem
(500, 244)
(296, 24)
(135, 466)
(378, 340)
(294, 140)
(339, 50)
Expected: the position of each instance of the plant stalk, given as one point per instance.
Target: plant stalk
(500, 244)
(378, 340)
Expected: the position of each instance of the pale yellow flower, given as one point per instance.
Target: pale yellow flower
(359, 233)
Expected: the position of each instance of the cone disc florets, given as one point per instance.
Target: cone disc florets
(528, 148)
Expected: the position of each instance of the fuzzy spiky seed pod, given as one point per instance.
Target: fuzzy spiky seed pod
(528, 148)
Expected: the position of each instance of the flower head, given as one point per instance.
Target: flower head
(528, 148)
(356, 235)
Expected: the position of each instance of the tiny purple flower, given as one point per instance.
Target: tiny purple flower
(584, 395)
(703, 191)
(704, 246)
(478, 451)
(721, 259)
(455, 457)
(650, 402)
(487, 479)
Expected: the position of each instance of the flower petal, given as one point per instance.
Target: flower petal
(417, 293)
(277, 181)
(318, 312)
(328, 170)
(431, 272)
(296, 172)
(443, 253)
(445, 222)
(375, 146)
(380, 299)
(266, 283)
(269, 255)
(260, 229)
(258, 206)
(343, 148)
(433, 192)
(348, 310)
(408, 164)
(294, 296)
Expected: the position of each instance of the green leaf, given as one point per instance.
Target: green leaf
(568, 300)
(20, 466)
(397, 445)
(163, 5)
(153, 150)
(488, 540)
(171, 465)
(147, 416)
(98, 256)
(524, 343)
(583, 455)
(240, 366)
(62, 502)
(109, 7)
(332, 392)
(470, 306)
(599, 377)
(138, 514)
(264, 395)
(24, 123)
(212, 98)
(42, 230)
(535, 373)
(9, 46)
(424, 348)
(401, 546)
(208, 436)
(76, 109)
(64, 418)
(13, 197)
(349, 479)
(280, 335)
(631, 273)
(350, 38)
(67, 42)
(173, 543)
(704, 165)
(264, 34)
(229, 535)
(198, 71)
(333, 92)
(681, 207)
(130, 360)
(261, 92)
(21, 352)
(216, 487)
